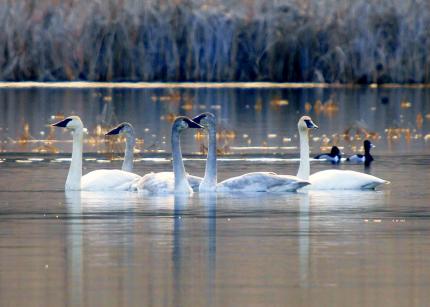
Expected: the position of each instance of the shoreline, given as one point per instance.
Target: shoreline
(198, 85)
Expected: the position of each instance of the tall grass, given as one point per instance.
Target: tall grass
(347, 41)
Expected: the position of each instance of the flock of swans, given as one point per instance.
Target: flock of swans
(179, 181)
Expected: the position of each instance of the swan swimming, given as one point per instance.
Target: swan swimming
(329, 179)
(366, 158)
(128, 131)
(334, 156)
(98, 180)
(170, 182)
(250, 182)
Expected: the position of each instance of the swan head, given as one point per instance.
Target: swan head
(182, 122)
(123, 128)
(367, 145)
(205, 119)
(305, 123)
(71, 122)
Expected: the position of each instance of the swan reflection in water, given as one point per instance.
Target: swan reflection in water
(319, 205)
(362, 200)
(82, 207)
(74, 248)
(140, 241)
(111, 230)
(304, 232)
(186, 231)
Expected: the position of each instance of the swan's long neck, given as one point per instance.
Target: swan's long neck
(304, 168)
(181, 182)
(210, 179)
(130, 141)
(73, 181)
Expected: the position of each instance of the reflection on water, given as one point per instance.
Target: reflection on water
(74, 253)
(251, 120)
(120, 249)
(320, 248)
(304, 240)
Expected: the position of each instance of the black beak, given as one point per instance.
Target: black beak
(310, 124)
(193, 124)
(62, 123)
(198, 118)
(115, 130)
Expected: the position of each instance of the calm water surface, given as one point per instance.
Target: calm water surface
(300, 249)
(250, 120)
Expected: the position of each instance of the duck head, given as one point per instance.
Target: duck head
(368, 145)
(335, 151)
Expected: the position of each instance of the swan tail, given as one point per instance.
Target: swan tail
(373, 185)
(290, 187)
(300, 184)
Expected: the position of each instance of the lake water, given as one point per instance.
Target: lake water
(355, 248)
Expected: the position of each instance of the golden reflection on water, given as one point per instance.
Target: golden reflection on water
(170, 85)
(263, 122)
(176, 85)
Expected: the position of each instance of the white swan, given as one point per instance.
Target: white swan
(98, 180)
(250, 182)
(329, 179)
(170, 182)
(130, 140)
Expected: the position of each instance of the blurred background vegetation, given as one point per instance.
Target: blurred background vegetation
(346, 41)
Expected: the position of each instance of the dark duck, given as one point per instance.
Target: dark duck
(334, 156)
(366, 158)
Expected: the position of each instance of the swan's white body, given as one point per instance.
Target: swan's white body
(171, 182)
(163, 183)
(261, 182)
(330, 179)
(108, 180)
(156, 183)
(334, 179)
(250, 182)
(98, 180)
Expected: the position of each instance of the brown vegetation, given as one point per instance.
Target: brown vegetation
(362, 41)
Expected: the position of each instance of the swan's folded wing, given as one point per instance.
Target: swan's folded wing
(290, 183)
(261, 182)
(108, 180)
(156, 183)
